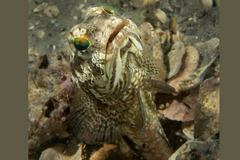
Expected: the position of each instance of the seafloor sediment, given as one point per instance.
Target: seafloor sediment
(185, 33)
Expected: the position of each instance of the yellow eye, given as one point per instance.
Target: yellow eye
(108, 9)
(81, 43)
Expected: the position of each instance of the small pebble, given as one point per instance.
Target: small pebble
(31, 26)
(53, 47)
(41, 34)
(190, 40)
(180, 19)
(194, 18)
(174, 25)
(51, 11)
(75, 17)
(136, 3)
(125, 5)
(53, 21)
(175, 38)
(207, 4)
(64, 34)
(56, 24)
(162, 17)
(31, 58)
(83, 10)
(40, 7)
(37, 23)
(80, 6)
(40, 15)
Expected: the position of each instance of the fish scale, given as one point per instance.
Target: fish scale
(113, 73)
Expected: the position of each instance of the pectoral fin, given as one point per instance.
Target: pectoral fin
(142, 128)
(158, 86)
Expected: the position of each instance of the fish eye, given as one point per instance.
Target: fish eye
(81, 43)
(109, 9)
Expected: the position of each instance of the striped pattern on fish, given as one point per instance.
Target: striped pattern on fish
(114, 74)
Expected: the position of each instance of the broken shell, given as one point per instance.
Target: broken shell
(209, 56)
(40, 7)
(194, 149)
(162, 17)
(51, 11)
(211, 50)
(188, 129)
(179, 112)
(175, 58)
(207, 121)
(191, 59)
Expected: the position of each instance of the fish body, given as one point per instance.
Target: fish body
(115, 79)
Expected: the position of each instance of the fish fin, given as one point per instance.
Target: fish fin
(142, 111)
(158, 86)
(91, 121)
(153, 66)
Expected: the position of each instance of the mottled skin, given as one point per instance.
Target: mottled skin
(114, 76)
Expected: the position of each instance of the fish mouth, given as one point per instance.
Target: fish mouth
(115, 32)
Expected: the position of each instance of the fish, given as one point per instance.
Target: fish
(116, 77)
